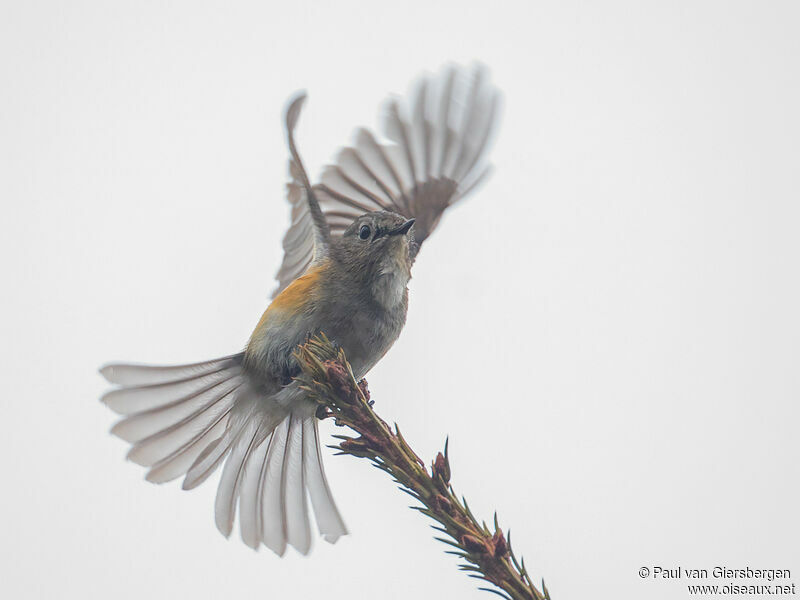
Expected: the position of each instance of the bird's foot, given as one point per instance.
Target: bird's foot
(364, 387)
(323, 412)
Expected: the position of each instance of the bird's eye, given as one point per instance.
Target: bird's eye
(364, 232)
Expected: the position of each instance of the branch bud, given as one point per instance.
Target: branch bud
(499, 543)
(441, 468)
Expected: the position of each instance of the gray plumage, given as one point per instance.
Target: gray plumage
(349, 249)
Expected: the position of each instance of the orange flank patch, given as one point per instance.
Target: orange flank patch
(293, 298)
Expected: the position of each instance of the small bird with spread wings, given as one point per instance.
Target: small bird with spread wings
(348, 255)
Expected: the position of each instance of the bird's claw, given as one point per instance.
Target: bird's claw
(364, 387)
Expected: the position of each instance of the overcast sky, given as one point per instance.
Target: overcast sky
(607, 330)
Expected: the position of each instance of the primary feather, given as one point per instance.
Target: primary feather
(435, 154)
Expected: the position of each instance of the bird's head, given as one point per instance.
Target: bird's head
(376, 246)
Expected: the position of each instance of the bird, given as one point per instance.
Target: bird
(348, 252)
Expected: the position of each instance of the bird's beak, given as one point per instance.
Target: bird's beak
(402, 229)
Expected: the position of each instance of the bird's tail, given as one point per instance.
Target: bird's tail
(187, 420)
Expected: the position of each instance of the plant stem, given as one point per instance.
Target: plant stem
(488, 556)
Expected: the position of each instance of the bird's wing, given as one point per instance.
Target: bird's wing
(434, 155)
(308, 235)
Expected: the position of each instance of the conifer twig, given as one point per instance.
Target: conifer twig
(486, 550)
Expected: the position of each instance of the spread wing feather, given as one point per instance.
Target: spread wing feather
(434, 155)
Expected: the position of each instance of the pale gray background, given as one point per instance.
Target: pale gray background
(608, 330)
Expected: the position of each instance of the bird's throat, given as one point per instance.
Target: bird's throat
(391, 278)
